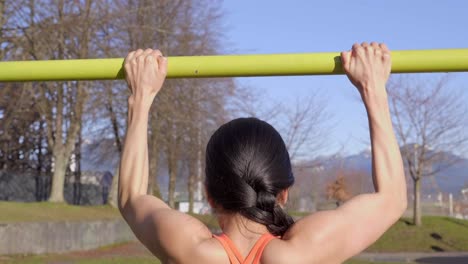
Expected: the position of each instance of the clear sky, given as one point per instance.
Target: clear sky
(270, 26)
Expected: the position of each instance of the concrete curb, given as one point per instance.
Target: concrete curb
(60, 237)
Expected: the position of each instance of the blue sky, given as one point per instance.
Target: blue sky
(263, 26)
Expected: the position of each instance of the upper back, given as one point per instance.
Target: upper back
(271, 250)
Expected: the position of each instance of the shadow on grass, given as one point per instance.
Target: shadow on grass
(443, 260)
(437, 249)
(406, 221)
(439, 238)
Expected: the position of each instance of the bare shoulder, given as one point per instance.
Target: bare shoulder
(334, 236)
(208, 251)
(169, 234)
(280, 251)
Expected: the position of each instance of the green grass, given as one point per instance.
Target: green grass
(124, 260)
(40, 212)
(71, 260)
(358, 261)
(436, 234)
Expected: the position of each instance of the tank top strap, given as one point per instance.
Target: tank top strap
(231, 250)
(255, 253)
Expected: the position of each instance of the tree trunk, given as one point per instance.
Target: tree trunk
(191, 184)
(113, 193)
(153, 185)
(172, 181)
(77, 173)
(58, 179)
(417, 203)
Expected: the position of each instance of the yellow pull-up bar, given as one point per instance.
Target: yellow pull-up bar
(409, 61)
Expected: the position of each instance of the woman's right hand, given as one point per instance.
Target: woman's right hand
(368, 68)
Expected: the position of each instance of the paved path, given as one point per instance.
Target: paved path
(423, 257)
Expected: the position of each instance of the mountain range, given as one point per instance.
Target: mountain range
(451, 178)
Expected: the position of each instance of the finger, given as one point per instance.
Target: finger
(384, 48)
(368, 48)
(376, 48)
(138, 52)
(150, 66)
(162, 65)
(139, 57)
(127, 61)
(128, 77)
(147, 52)
(147, 57)
(357, 50)
(385, 52)
(345, 58)
(128, 68)
(129, 57)
(157, 53)
(356, 46)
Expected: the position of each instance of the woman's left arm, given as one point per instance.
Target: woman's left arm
(154, 223)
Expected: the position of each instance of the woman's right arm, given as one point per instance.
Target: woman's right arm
(336, 235)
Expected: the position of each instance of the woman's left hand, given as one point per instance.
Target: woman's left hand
(145, 72)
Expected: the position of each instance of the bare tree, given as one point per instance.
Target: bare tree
(306, 126)
(303, 125)
(429, 120)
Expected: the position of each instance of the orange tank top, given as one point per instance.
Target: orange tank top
(254, 255)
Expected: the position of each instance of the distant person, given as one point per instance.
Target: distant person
(248, 176)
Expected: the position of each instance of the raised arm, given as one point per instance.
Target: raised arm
(336, 235)
(154, 223)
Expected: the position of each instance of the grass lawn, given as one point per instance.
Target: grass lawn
(40, 212)
(436, 234)
(11, 212)
(118, 253)
(121, 260)
(356, 261)
(58, 259)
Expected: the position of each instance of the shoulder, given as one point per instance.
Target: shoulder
(280, 251)
(208, 251)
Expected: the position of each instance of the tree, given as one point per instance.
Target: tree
(338, 190)
(304, 125)
(429, 120)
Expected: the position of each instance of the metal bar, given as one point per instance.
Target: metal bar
(409, 61)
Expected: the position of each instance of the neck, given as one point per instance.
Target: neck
(234, 225)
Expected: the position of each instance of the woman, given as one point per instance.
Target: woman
(248, 175)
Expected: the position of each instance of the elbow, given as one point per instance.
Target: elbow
(400, 207)
(403, 205)
(396, 205)
(122, 202)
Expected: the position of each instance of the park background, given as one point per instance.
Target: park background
(60, 141)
